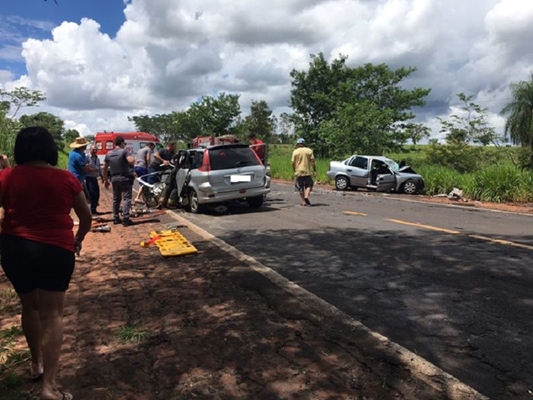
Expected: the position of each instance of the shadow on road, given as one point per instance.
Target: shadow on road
(198, 327)
(465, 305)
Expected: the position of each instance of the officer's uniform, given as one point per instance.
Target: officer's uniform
(121, 181)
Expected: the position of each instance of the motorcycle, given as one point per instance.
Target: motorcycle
(153, 193)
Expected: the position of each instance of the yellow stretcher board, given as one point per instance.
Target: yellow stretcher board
(172, 243)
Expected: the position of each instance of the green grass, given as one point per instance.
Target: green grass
(131, 334)
(281, 168)
(62, 161)
(498, 180)
(12, 362)
(11, 333)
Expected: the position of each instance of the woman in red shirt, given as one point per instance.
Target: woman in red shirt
(38, 245)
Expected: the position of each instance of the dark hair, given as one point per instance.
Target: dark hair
(35, 144)
(251, 135)
(119, 140)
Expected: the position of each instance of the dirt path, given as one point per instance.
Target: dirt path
(205, 326)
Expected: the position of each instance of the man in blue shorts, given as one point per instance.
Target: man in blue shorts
(142, 160)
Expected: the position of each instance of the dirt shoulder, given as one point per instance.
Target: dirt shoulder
(206, 326)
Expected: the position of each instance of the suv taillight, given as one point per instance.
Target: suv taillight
(206, 164)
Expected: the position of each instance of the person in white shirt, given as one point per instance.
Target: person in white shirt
(142, 160)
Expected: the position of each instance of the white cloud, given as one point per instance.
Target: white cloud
(5, 76)
(10, 53)
(168, 53)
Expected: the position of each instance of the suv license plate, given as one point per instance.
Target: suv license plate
(240, 178)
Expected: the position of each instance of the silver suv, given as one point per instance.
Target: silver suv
(220, 174)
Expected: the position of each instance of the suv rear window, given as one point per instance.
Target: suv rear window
(232, 157)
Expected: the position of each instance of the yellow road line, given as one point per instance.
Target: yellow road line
(501, 241)
(354, 213)
(479, 237)
(433, 228)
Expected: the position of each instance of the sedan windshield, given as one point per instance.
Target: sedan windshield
(392, 164)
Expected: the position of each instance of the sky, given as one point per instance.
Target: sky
(100, 61)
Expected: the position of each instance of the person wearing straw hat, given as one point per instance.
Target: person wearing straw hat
(77, 162)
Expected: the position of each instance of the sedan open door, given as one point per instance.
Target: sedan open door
(385, 181)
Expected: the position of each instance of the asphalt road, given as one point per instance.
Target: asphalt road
(453, 285)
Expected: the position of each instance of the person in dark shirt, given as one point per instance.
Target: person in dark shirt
(160, 161)
(120, 164)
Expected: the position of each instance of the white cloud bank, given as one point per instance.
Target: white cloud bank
(168, 53)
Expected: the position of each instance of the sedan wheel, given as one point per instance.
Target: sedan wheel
(341, 183)
(410, 187)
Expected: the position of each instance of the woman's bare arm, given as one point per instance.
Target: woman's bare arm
(81, 208)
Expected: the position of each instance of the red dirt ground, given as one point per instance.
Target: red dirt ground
(208, 327)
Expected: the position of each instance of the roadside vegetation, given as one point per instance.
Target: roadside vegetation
(495, 178)
(340, 111)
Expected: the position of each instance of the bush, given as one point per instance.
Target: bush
(440, 180)
(458, 156)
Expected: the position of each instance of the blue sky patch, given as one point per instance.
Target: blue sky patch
(23, 19)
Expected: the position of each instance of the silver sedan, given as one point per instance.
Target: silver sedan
(374, 173)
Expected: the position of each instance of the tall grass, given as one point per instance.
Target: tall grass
(500, 185)
(281, 168)
(498, 182)
(440, 180)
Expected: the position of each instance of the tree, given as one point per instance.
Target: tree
(357, 128)
(471, 127)
(261, 122)
(21, 97)
(208, 117)
(416, 132)
(519, 124)
(160, 125)
(8, 131)
(286, 127)
(71, 134)
(312, 96)
(9, 125)
(326, 96)
(55, 125)
(215, 116)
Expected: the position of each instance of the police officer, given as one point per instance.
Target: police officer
(118, 162)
